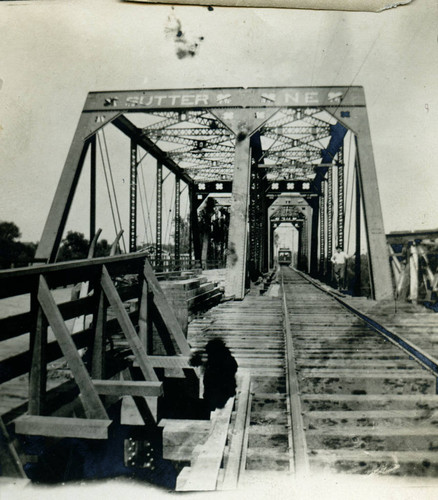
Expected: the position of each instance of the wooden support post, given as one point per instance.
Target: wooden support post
(167, 314)
(238, 230)
(396, 268)
(144, 314)
(38, 369)
(413, 290)
(115, 245)
(92, 404)
(99, 344)
(403, 282)
(127, 326)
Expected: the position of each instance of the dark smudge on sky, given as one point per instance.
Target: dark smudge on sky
(185, 46)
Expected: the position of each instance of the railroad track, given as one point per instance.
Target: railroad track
(360, 404)
(253, 330)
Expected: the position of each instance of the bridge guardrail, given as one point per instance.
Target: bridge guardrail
(43, 312)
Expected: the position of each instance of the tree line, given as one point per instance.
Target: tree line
(14, 253)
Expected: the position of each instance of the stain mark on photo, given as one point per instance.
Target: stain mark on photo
(185, 45)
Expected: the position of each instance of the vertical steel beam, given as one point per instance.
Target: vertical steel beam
(238, 230)
(92, 187)
(378, 255)
(159, 215)
(264, 230)
(177, 221)
(322, 230)
(133, 198)
(253, 214)
(357, 269)
(303, 247)
(194, 226)
(341, 191)
(315, 202)
(330, 208)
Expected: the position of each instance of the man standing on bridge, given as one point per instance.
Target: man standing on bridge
(339, 260)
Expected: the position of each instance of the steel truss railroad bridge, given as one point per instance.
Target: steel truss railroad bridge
(267, 147)
(282, 155)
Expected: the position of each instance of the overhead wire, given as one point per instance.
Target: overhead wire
(113, 187)
(107, 183)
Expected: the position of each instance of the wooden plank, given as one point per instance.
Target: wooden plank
(19, 324)
(415, 457)
(62, 427)
(170, 361)
(128, 388)
(138, 410)
(144, 316)
(38, 367)
(10, 461)
(22, 280)
(204, 470)
(92, 404)
(233, 467)
(127, 327)
(99, 320)
(19, 364)
(167, 314)
(14, 326)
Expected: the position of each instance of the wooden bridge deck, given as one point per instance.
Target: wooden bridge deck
(253, 330)
(363, 405)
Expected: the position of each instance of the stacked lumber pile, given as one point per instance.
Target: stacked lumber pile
(190, 295)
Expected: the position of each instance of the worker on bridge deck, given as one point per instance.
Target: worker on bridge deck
(339, 260)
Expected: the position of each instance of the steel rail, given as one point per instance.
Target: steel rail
(421, 357)
(299, 444)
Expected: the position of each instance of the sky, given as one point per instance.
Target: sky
(54, 52)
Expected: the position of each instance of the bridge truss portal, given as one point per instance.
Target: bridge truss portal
(256, 143)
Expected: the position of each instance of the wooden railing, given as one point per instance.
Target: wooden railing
(50, 337)
(414, 267)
